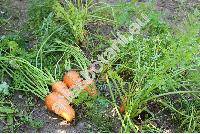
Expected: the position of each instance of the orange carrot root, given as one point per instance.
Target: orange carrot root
(72, 78)
(56, 103)
(62, 89)
(58, 85)
(123, 104)
(90, 87)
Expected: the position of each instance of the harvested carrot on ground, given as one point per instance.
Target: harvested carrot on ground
(72, 79)
(56, 103)
(62, 89)
(58, 85)
(90, 87)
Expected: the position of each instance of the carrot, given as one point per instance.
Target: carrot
(122, 108)
(58, 85)
(72, 78)
(62, 89)
(90, 87)
(56, 103)
(123, 104)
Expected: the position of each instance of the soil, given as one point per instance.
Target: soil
(51, 122)
(16, 12)
(175, 11)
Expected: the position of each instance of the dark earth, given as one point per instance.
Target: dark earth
(173, 10)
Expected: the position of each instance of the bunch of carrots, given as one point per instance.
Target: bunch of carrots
(63, 92)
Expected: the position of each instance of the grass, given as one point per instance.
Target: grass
(160, 65)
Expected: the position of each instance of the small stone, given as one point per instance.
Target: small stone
(20, 96)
